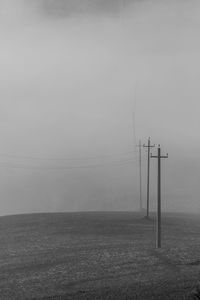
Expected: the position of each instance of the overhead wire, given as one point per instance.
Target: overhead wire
(95, 160)
(21, 166)
(24, 157)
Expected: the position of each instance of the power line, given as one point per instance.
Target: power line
(106, 156)
(114, 163)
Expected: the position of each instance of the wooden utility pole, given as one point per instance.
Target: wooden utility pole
(140, 165)
(158, 221)
(148, 173)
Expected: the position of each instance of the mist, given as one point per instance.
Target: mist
(72, 73)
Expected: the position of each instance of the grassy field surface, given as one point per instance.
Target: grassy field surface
(98, 256)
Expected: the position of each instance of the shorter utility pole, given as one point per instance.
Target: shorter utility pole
(140, 165)
(158, 221)
(148, 172)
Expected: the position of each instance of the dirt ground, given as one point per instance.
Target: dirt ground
(98, 256)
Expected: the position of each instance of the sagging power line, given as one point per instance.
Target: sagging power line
(70, 167)
(105, 156)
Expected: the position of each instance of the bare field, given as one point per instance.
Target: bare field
(98, 256)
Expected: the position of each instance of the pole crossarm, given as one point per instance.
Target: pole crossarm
(153, 156)
(149, 146)
(139, 146)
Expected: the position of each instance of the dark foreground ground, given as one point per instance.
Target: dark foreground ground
(98, 256)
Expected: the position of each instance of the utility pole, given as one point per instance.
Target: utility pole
(158, 221)
(148, 172)
(140, 164)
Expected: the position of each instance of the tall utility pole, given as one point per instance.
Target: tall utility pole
(140, 164)
(158, 221)
(148, 172)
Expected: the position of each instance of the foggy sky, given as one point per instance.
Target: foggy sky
(71, 74)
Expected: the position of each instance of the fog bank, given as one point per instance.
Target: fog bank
(72, 73)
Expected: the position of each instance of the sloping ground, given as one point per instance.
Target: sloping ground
(97, 256)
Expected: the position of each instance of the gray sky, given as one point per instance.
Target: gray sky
(71, 73)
